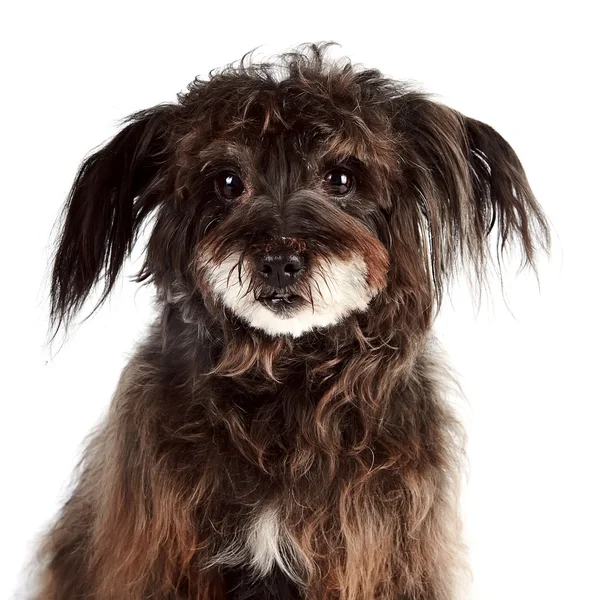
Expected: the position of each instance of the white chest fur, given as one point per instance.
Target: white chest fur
(264, 544)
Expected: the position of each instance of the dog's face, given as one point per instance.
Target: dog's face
(291, 197)
(293, 218)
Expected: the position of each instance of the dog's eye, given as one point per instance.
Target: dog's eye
(339, 181)
(228, 185)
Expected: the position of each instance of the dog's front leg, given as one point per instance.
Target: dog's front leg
(130, 529)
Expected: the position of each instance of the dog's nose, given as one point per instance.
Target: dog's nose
(280, 269)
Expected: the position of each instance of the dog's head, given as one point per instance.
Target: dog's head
(293, 195)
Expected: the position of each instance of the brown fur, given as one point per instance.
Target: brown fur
(344, 431)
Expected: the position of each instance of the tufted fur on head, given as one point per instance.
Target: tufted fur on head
(283, 431)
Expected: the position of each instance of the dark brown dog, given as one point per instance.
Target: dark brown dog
(282, 432)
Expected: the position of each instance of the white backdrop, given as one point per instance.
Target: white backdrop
(72, 70)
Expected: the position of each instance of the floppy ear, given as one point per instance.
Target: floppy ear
(504, 200)
(472, 193)
(114, 190)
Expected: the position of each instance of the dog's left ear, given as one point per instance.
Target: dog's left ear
(114, 190)
(472, 194)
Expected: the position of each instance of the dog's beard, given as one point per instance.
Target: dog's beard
(333, 289)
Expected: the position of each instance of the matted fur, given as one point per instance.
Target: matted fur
(241, 462)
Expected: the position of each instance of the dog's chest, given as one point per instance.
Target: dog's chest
(264, 544)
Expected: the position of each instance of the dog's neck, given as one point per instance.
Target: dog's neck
(260, 363)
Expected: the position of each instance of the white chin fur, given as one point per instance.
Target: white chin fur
(339, 288)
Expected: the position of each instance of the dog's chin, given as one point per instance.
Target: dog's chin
(294, 320)
(339, 290)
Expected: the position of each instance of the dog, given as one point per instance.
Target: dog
(283, 432)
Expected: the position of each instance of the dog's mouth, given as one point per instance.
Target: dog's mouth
(281, 302)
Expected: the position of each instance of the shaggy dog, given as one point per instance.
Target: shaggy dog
(282, 432)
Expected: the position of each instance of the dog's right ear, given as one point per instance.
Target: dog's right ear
(114, 190)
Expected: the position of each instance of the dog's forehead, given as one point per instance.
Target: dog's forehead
(307, 123)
